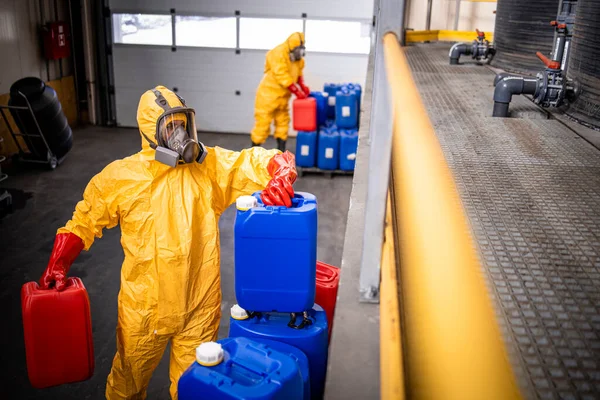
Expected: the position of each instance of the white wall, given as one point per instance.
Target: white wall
(20, 41)
(208, 79)
(472, 15)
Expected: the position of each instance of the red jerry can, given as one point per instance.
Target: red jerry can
(58, 334)
(328, 280)
(305, 114)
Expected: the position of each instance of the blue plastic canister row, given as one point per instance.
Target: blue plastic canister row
(330, 149)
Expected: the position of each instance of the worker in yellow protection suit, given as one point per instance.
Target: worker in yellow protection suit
(283, 70)
(168, 199)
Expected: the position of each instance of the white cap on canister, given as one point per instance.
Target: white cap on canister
(209, 354)
(244, 203)
(238, 312)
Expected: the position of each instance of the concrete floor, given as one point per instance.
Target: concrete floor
(45, 201)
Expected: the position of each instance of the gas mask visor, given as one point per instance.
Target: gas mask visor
(297, 53)
(177, 137)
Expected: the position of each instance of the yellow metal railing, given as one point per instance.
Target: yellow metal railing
(392, 375)
(444, 36)
(452, 345)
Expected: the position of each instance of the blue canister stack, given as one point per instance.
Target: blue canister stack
(333, 146)
(278, 337)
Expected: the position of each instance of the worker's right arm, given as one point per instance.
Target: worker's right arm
(91, 215)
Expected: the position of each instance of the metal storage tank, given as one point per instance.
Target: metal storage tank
(522, 28)
(584, 63)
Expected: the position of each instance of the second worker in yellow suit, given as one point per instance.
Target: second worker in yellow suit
(167, 199)
(283, 70)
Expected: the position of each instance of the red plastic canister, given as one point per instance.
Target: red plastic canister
(305, 114)
(58, 334)
(328, 280)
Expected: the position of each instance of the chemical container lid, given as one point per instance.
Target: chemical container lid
(244, 203)
(238, 312)
(209, 354)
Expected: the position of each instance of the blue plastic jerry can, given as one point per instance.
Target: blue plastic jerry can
(358, 89)
(276, 254)
(348, 148)
(346, 107)
(311, 338)
(331, 90)
(241, 368)
(306, 149)
(295, 353)
(321, 98)
(328, 149)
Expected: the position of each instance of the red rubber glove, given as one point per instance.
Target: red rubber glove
(279, 191)
(67, 247)
(297, 92)
(304, 88)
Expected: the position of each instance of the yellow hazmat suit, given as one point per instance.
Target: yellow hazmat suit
(272, 95)
(170, 278)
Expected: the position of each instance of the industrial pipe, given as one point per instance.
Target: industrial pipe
(456, 14)
(90, 63)
(457, 50)
(479, 49)
(508, 86)
(428, 20)
(501, 76)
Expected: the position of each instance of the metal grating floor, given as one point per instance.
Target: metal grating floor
(531, 189)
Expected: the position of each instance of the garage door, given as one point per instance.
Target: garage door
(212, 54)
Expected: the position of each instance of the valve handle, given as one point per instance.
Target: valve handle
(549, 63)
(558, 26)
(479, 33)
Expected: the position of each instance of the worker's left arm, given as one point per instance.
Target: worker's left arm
(247, 171)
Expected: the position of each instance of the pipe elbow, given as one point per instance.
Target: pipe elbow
(506, 87)
(456, 51)
(501, 76)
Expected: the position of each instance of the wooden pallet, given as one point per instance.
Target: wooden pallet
(329, 173)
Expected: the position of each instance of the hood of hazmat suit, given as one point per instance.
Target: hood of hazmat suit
(273, 95)
(170, 279)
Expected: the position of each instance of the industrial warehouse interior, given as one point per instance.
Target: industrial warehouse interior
(316, 199)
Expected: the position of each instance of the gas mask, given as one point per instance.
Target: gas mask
(176, 135)
(297, 53)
